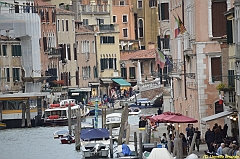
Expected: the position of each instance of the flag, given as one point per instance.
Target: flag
(176, 27)
(181, 26)
(160, 58)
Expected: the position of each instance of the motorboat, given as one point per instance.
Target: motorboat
(57, 114)
(134, 111)
(92, 112)
(67, 140)
(95, 142)
(114, 119)
(64, 132)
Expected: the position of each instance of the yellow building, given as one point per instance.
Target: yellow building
(146, 15)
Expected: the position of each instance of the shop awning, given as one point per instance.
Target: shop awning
(216, 116)
(121, 82)
(106, 80)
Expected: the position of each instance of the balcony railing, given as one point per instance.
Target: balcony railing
(54, 52)
(150, 85)
(103, 27)
(94, 9)
(177, 66)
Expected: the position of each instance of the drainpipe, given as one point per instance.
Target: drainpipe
(184, 58)
(98, 72)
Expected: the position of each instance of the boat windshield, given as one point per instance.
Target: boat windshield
(61, 113)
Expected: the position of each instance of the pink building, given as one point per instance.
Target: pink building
(198, 60)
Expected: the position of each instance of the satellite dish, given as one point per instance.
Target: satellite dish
(6, 87)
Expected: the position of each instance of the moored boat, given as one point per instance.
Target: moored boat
(114, 119)
(134, 111)
(57, 114)
(2, 125)
(67, 140)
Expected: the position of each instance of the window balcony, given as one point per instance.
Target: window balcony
(95, 9)
(53, 52)
(103, 27)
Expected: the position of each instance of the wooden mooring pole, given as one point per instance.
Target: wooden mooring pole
(123, 120)
(104, 117)
(78, 130)
(140, 146)
(23, 114)
(135, 143)
(28, 116)
(69, 119)
(111, 141)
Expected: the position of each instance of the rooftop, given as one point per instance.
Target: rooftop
(140, 54)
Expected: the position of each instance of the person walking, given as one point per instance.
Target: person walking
(198, 138)
(209, 138)
(190, 133)
(159, 111)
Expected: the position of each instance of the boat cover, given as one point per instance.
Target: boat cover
(61, 132)
(126, 150)
(156, 152)
(94, 134)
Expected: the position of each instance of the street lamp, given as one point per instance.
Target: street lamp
(96, 114)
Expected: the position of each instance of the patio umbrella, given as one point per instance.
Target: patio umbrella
(179, 118)
(160, 118)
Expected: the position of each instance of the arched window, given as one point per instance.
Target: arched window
(218, 107)
(140, 28)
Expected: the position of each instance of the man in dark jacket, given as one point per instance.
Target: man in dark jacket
(209, 137)
(190, 133)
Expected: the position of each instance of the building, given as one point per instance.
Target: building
(48, 41)
(146, 21)
(198, 64)
(10, 65)
(87, 62)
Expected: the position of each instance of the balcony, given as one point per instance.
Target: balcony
(176, 68)
(53, 52)
(103, 27)
(94, 9)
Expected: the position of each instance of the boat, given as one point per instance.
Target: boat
(60, 133)
(94, 142)
(92, 112)
(67, 140)
(2, 125)
(114, 119)
(57, 114)
(134, 111)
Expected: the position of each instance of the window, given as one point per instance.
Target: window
(93, 47)
(95, 72)
(45, 43)
(107, 40)
(73, 25)
(229, 32)
(100, 21)
(132, 74)
(16, 50)
(77, 77)
(231, 97)
(142, 68)
(218, 18)
(53, 16)
(139, 4)
(108, 63)
(122, 3)
(69, 51)
(4, 50)
(7, 74)
(66, 25)
(58, 23)
(165, 42)
(231, 81)
(114, 19)
(42, 14)
(124, 73)
(164, 11)
(85, 21)
(124, 19)
(62, 25)
(152, 3)
(47, 16)
(216, 69)
(125, 32)
(75, 50)
(218, 108)
(16, 74)
(140, 28)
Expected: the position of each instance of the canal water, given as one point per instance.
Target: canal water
(38, 143)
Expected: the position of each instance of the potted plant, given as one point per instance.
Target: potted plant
(221, 87)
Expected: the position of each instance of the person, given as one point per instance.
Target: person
(69, 137)
(159, 111)
(164, 138)
(225, 129)
(190, 134)
(220, 149)
(209, 138)
(142, 122)
(198, 138)
(212, 148)
(226, 149)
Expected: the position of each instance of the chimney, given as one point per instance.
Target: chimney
(7, 34)
(151, 45)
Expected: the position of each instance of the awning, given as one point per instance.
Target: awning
(216, 116)
(106, 80)
(93, 84)
(121, 82)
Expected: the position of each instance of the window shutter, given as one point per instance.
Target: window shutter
(229, 32)
(77, 77)
(75, 51)
(216, 68)
(115, 63)
(162, 11)
(44, 43)
(101, 63)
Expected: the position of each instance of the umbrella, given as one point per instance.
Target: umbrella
(179, 118)
(160, 118)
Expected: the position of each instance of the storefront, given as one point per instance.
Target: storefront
(94, 89)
